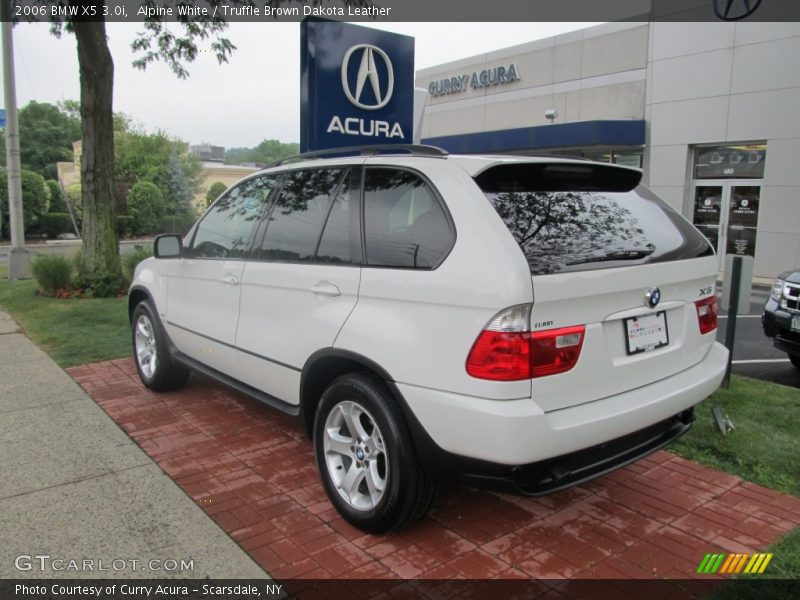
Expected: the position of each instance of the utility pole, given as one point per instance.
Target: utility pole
(19, 262)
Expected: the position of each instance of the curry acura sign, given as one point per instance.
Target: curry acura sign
(479, 79)
(356, 86)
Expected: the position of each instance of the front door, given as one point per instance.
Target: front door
(204, 285)
(727, 213)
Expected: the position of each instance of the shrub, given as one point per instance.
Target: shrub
(146, 207)
(214, 191)
(130, 260)
(54, 224)
(124, 226)
(35, 198)
(57, 203)
(101, 285)
(52, 273)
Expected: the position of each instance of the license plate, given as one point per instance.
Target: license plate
(796, 323)
(646, 332)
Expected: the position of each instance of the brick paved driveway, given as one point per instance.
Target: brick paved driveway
(253, 472)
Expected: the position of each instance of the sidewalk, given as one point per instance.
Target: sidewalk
(74, 486)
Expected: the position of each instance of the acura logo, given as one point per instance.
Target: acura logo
(733, 10)
(368, 72)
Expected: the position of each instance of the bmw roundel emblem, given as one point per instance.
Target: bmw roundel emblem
(652, 297)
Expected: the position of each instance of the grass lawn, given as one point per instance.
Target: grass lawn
(765, 446)
(73, 332)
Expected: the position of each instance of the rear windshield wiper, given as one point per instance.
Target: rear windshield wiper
(627, 254)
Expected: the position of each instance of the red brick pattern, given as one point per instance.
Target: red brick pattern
(253, 472)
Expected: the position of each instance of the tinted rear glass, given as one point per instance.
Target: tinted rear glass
(603, 222)
(404, 223)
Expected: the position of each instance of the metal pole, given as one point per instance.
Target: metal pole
(733, 310)
(18, 258)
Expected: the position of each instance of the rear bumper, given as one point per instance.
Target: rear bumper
(515, 440)
(555, 474)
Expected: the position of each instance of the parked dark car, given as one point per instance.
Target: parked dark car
(781, 318)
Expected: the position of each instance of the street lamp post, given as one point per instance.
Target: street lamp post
(18, 258)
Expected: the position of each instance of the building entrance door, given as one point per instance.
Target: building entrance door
(727, 213)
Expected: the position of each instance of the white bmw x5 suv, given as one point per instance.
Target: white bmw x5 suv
(526, 322)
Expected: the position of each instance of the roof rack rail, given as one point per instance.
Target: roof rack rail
(413, 149)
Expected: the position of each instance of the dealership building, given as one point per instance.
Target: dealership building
(709, 111)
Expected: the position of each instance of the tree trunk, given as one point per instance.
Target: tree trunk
(100, 245)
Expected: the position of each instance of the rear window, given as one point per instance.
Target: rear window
(573, 217)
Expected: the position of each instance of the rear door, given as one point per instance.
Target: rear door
(303, 280)
(608, 255)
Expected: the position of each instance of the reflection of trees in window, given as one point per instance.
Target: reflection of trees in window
(225, 230)
(245, 201)
(299, 215)
(301, 187)
(559, 229)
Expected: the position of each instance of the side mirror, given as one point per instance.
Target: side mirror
(168, 245)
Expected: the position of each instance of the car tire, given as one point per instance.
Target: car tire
(371, 475)
(154, 363)
(795, 358)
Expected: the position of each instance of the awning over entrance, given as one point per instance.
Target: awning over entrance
(558, 135)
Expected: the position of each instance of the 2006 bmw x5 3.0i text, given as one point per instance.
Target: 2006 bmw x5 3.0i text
(526, 322)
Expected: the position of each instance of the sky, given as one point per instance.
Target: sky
(255, 96)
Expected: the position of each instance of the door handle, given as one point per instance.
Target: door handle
(325, 288)
(229, 279)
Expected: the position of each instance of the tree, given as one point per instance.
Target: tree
(72, 108)
(155, 157)
(215, 191)
(46, 136)
(266, 152)
(175, 44)
(178, 196)
(158, 41)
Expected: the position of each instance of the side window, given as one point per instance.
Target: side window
(299, 214)
(404, 224)
(225, 230)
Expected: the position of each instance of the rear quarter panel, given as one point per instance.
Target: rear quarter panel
(420, 325)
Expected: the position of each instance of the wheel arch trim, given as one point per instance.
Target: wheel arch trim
(137, 291)
(422, 441)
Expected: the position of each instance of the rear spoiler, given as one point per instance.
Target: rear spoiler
(558, 177)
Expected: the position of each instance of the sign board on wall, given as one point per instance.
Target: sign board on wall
(356, 86)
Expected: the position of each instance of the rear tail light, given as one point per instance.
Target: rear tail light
(556, 350)
(501, 356)
(707, 314)
(506, 350)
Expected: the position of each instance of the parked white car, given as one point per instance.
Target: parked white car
(527, 322)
